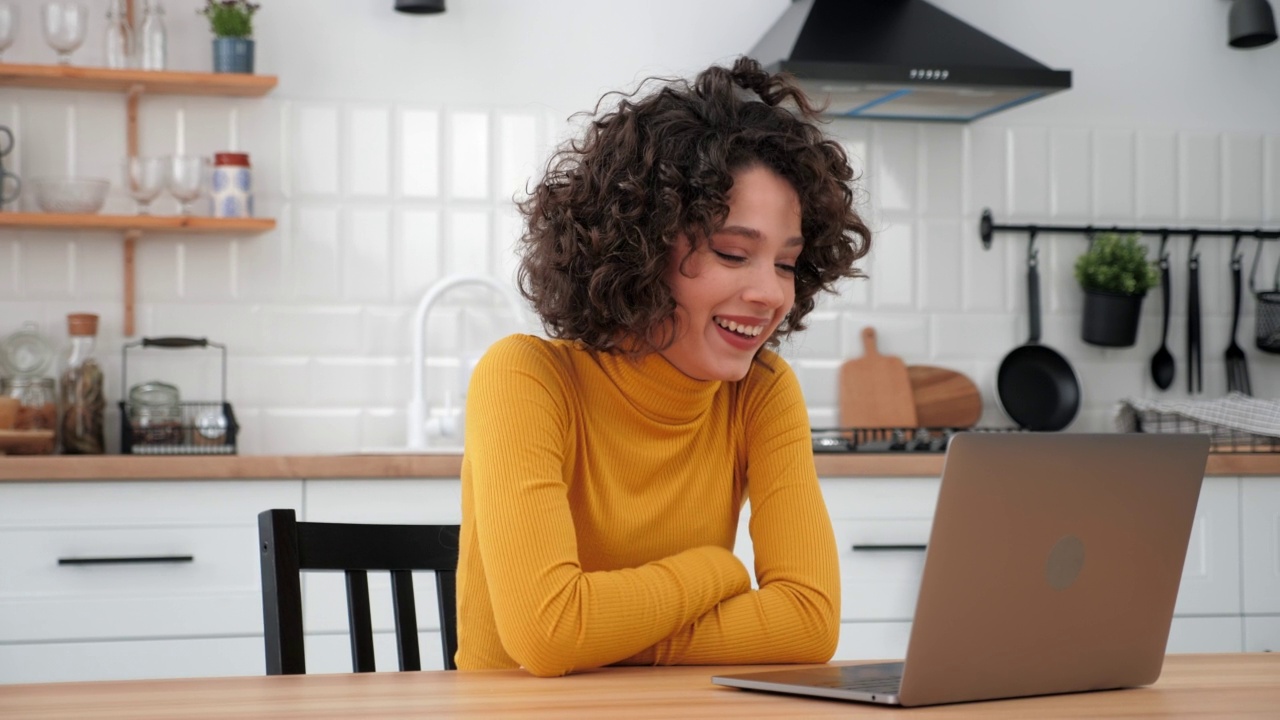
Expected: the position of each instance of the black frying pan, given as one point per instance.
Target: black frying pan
(1035, 386)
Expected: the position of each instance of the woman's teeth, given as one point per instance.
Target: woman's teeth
(747, 330)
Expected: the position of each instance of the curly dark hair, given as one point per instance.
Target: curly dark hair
(602, 222)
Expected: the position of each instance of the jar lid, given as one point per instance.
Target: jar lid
(26, 352)
(27, 381)
(81, 324)
(231, 158)
(154, 394)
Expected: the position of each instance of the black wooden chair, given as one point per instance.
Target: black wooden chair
(290, 547)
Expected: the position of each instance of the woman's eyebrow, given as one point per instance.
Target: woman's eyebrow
(754, 234)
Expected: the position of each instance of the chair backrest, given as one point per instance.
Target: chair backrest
(290, 547)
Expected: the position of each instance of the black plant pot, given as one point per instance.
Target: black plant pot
(1111, 319)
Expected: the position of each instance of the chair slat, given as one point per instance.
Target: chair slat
(359, 621)
(446, 591)
(406, 620)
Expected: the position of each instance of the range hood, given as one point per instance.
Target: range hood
(901, 60)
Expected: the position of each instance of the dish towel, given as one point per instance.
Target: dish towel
(1233, 414)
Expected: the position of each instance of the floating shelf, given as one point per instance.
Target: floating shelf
(140, 223)
(154, 82)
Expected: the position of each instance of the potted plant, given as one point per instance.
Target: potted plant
(1115, 275)
(232, 25)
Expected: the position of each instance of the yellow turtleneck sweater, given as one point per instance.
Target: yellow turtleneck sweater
(600, 501)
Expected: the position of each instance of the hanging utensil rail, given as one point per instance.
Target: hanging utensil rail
(987, 228)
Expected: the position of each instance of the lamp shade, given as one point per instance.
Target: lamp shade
(420, 7)
(1250, 24)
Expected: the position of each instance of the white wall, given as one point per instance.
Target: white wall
(392, 147)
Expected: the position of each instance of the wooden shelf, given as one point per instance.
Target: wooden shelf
(155, 82)
(138, 223)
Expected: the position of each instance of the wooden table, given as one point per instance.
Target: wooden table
(1192, 686)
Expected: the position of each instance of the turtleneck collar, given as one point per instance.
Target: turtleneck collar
(657, 389)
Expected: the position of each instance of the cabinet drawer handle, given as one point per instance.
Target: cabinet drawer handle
(889, 548)
(139, 560)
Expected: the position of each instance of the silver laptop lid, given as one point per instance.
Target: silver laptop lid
(1053, 564)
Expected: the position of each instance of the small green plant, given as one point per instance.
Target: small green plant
(1116, 263)
(230, 18)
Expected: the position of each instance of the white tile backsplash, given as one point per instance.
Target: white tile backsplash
(315, 150)
(1199, 176)
(469, 155)
(420, 253)
(1243, 181)
(368, 144)
(366, 256)
(1158, 172)
(419, 157)
(1112, 183)
(466, 250)
(316, 252)
(376, 201)
(1031, 168)
(1069, 180)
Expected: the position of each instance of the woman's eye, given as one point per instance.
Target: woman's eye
(788, 269)
(729, 258)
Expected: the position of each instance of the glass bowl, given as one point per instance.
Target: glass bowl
(70, 195)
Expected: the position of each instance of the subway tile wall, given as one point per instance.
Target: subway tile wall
(375, 202)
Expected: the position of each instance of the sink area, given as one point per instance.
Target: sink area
(443, 425)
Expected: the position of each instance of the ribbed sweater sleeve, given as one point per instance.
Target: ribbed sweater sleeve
(551, 616)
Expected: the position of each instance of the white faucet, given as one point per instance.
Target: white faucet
(417, 410)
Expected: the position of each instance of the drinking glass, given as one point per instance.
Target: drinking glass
(64, 26)
(8, 26)
(186, 180)
(144, 178)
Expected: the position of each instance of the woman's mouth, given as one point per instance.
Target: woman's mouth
(738, 328)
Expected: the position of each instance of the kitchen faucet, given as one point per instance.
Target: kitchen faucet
(417, 410)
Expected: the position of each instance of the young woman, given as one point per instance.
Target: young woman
(605, 469)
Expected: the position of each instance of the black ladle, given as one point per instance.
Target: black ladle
(1162, 363)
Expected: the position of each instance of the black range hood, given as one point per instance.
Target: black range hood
(901, 60)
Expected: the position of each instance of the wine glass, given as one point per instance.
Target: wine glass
(64, 27)
(144, 178)
(186, 180)
(8, 26)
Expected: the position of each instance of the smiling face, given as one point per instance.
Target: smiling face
(738, 286)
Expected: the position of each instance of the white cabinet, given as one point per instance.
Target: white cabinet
(106, 580)
(1260, 530)
(1262, 633)
(202, 616)
(1211, 573)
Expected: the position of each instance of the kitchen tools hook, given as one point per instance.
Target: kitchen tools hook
(1033, 255)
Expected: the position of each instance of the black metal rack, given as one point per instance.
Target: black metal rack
(934, 440)
(987, 228)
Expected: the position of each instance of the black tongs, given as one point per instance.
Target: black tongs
(1195, 369)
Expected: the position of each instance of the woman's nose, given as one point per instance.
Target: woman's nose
(767, 288)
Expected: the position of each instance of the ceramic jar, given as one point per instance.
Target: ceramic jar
(232, 185)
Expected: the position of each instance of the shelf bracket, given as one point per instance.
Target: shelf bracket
(130, 249)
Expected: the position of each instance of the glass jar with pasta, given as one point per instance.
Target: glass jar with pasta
(80, 389)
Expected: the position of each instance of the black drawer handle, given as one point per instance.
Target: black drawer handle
(890, 548)
(139, 560)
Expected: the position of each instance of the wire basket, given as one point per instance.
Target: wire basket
(1268, 321)
(1267, 315)
(1222, 439)
(189, 428)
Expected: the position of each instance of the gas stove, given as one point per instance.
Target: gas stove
(890, 440)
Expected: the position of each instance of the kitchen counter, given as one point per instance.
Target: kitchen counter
(215, 467)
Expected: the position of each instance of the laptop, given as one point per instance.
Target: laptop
(1053, 566)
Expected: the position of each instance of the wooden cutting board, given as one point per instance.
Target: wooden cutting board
(944, 398)
(875, 391)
